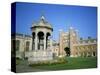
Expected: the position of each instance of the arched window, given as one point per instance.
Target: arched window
(94, 53)
(27, 45)
(17, 45)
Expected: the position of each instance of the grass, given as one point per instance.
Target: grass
(18, 61)
(73, 63)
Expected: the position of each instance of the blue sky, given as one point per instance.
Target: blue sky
(84, 19)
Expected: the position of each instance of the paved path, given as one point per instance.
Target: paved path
(24, 67)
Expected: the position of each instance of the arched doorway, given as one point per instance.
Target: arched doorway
(67, 50)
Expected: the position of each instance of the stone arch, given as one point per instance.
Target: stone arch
(40, 35)
(33, 40)
(48, 33)
(47, 38)
(33, 35)
(67, 50)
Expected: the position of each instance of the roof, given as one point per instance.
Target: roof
(42, 23)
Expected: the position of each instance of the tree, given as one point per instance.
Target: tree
(67, 50)
(81, 38)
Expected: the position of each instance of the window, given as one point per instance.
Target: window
(27, 45)
(17, 45)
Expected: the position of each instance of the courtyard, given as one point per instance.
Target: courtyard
(73, 63)
(50, 41)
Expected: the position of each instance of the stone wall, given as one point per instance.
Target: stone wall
(40, 55)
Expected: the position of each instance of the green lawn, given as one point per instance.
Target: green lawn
(73, 63)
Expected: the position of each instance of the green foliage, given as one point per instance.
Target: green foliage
(18, 61)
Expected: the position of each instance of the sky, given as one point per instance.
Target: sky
(61, 17)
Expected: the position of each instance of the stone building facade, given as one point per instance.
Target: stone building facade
(41, 46)
(38, 46)
(21, 44)
(77, 46)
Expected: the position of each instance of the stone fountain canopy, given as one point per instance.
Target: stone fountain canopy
(41, 35)
(42, 24)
